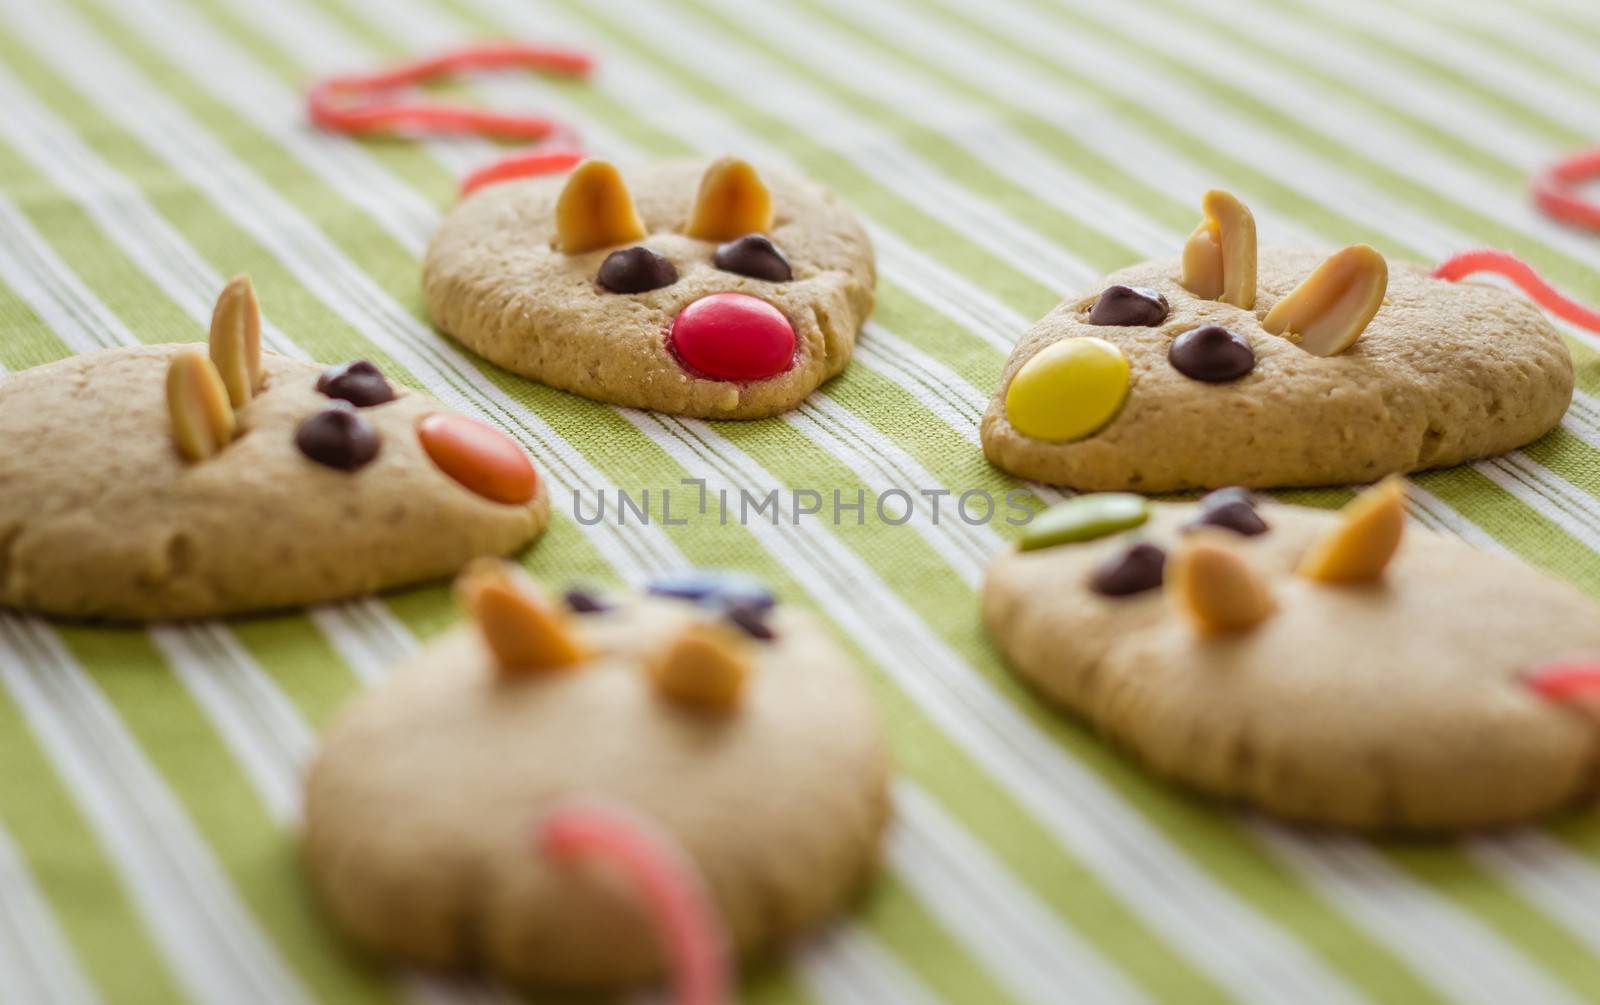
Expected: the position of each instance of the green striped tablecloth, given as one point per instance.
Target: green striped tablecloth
(1004, 152)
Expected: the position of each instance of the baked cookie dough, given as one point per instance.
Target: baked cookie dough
(158, 481)
(735, 725)
(699, 289)
(1160, 379)
(1328, 668)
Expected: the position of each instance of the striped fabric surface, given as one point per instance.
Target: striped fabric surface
(1004, 153)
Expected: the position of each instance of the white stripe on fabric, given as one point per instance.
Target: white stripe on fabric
(215, 947)
(36, 963)
(1019, 937)
(1458, 953)
(842, 967)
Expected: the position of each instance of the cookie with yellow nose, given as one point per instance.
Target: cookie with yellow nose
(1233, 365)
(710, 289)
(728, 726)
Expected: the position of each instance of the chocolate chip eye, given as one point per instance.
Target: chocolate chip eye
(1231, 509)
(751, 618)
(1212, 354)
(753, 255)
(1129, 305)
(584, 602)
(338, 437)
(1141, 567)
(360, 383)
(636, 270)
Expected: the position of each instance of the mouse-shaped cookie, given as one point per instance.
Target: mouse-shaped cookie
(731, 723)
(179, 481)
(1335, 668)
(1225, 367)
(699, 289)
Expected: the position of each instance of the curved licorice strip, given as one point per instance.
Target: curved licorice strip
(1506, 264)
(355, 104)
(1555, 189)
(669, 887)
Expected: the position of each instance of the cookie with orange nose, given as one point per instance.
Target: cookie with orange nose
(1335, 668)
(182, 480)
(715, 751)
(1233, 366)
(713, 289)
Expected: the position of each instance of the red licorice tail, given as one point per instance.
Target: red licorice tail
(1555, 189)
(1566, 681)
(525, 165)
(668, 883)
(1506, 264)
(355, 104)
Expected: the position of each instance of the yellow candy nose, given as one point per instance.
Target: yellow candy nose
(1068, 390)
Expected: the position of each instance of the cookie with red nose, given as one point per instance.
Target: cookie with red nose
(706, 289)
(191, 480)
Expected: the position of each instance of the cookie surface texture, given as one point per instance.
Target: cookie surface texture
(312, 499)
(1394, 704)
(421, 806)
(496, 280)
(1443, 373)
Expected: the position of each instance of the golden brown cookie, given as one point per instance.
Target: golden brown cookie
(1273, 370)
(164, 481)
(686, 287)
(1331, 668)
(737, 726)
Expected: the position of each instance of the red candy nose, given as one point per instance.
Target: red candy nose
(731, 336)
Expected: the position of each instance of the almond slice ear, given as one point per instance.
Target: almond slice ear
(705, 665)
(197, 403)
(595, 210)
(1219, 259)
(733, 201)
(1367, 537)
(524, 631)
(235, 340)
(1202, 263)
(1327, 312)
(1216, 588)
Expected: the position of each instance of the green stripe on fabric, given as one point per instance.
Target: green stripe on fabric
(1078, 236)
(300, 661)
(216, 239)
(1063, 883)
(1438, 67)
(82, 888)
(25, 340)
(1559, 266)
(916, 939)
(1556, 950)
(1515, 524)
(75, 237)
(259, 857)
(408, 160)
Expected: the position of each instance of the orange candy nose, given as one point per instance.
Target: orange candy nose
(480, 457)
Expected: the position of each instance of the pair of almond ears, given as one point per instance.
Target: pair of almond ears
(595, 209)
(1221, 592)
(704, 665)
(1324, 315)
(205, 389)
